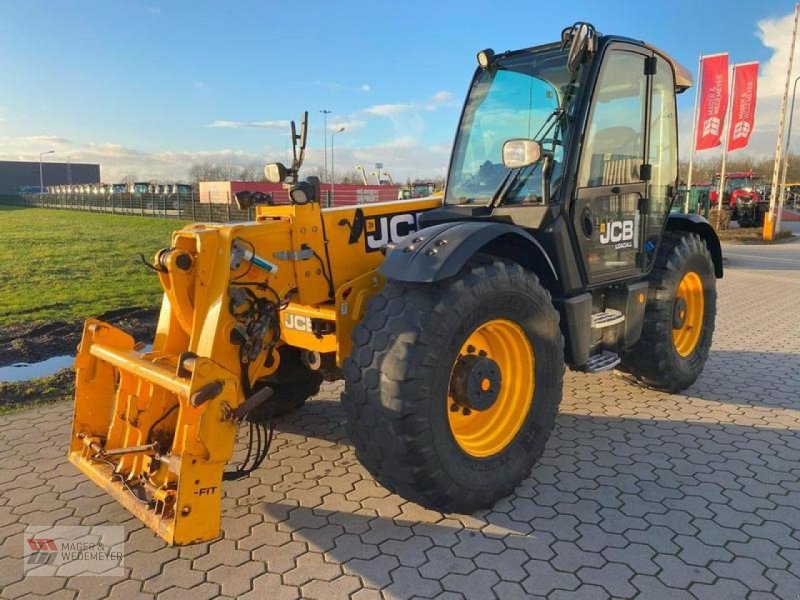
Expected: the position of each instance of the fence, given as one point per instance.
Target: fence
(185, 207)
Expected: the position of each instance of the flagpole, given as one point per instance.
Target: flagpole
(694, 131)
(772, 223)
(725, 131)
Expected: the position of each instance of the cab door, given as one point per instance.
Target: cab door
(662, 156)
(610, 200)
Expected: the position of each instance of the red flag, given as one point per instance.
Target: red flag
(743, 108)
(713, 101)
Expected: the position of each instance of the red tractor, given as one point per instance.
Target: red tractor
(746, 205)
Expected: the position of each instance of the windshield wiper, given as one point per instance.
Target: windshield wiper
(513, 175)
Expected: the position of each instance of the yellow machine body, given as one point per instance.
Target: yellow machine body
(156, 428)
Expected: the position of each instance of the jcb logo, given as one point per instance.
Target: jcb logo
(383, 229)
(616, 231)
(297, 322)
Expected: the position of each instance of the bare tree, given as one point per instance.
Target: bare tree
(351, 177)
(252, 172)
(705, 169)
(208, 171)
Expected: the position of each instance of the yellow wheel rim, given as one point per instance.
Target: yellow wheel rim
(688, 312)
(487, 432)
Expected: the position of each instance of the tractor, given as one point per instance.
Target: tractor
(741, 197)
(451, 319)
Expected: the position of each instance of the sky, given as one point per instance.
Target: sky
(147, 88)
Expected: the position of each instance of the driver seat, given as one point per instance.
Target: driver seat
(616, 157)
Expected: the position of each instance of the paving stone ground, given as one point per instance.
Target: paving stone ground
(640, 494)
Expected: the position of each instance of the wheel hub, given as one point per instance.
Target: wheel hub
(687, 314)
(679, 313)
(476, 381)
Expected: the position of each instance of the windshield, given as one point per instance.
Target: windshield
(514, 99)
(735, 183)
(738, 183)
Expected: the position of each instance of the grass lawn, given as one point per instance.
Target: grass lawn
(65, 265)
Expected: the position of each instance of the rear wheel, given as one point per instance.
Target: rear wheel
(679, 317)
(452, 388)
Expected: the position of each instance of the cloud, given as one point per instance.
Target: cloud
(385, 110)
(364, 87)
(154, 10)
(403, 157)
(349, 123)
(438, 100)
(775, 34)
(34, 143)
(443, 97)
(201, 85)
(224, 124)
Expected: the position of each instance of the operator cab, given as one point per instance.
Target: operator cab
(576, 142)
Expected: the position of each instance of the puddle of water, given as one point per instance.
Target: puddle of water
(24, 371)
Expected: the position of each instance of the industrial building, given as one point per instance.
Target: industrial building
(15, 174)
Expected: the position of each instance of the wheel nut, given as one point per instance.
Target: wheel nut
(466, 412)
(454, 407)
(471, 349)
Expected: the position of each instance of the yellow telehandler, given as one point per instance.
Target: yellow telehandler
(450, 318)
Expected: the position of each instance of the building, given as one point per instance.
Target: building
(342, 194)
(17, 173)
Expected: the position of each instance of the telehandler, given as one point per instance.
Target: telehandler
(450, 319)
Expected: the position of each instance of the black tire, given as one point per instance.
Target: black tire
(293, 383)
(654, 360)
(397, 378)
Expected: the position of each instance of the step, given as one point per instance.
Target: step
(607, 318)
(605, 361)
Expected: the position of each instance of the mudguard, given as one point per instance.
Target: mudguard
(699, 225)
(440, 251)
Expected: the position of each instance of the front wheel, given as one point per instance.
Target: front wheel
(679, 316)
(452, 388)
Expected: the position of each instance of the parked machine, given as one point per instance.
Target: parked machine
(742, 198)
(450, 319)
(418, 189)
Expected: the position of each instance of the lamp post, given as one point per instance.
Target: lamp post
(333, 165)
(782, 198)
(325, 114)
(41, 178)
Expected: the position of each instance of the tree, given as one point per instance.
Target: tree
(253, 171)
(208, 171)
(351, 177)
(705, 168)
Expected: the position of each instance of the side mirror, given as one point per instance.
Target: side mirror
(521, 153)
(275, 173)
(580, 38)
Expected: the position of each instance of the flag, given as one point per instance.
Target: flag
(713, 101)
(743, 105)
